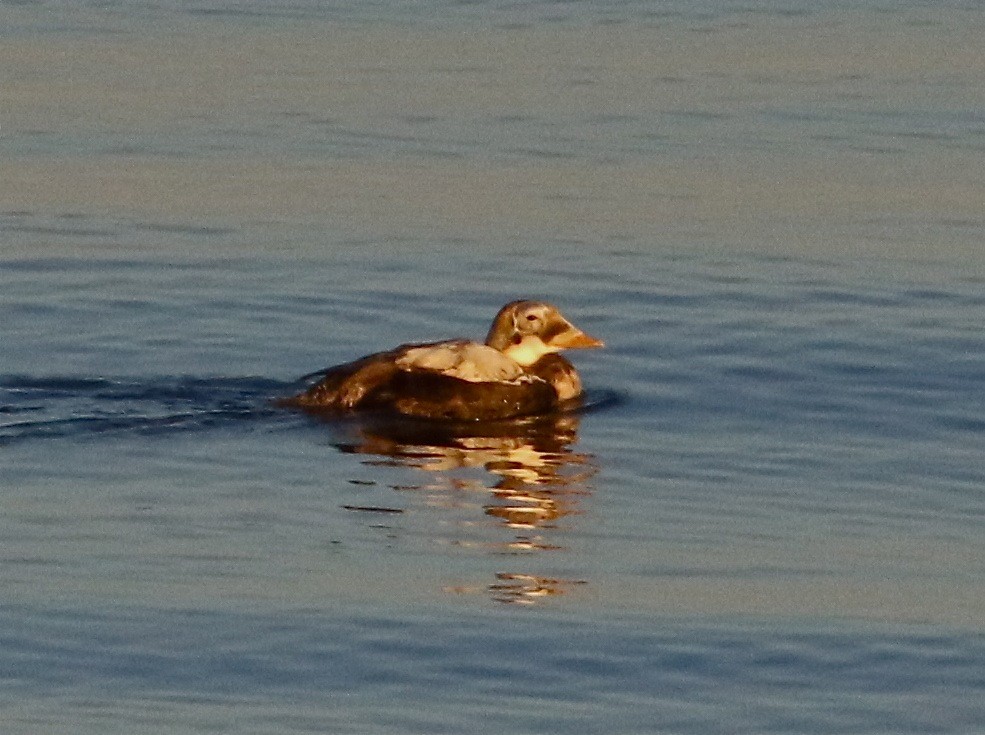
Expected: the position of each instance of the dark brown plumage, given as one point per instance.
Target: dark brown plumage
(516, 373)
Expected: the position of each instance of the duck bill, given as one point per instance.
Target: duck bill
(574, 338)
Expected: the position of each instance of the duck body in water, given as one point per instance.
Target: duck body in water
(516, 372)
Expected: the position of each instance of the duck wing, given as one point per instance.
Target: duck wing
(345, 386)
(461, 359)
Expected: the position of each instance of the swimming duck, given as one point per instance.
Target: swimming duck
(516, 372)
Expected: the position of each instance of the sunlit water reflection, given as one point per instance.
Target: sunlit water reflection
(533, 483)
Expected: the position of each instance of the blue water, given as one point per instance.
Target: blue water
(769, 522)
(768, 518)
(368, 673)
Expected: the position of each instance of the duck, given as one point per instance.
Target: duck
(516, 372)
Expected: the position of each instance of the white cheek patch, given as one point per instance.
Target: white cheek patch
(529, 351)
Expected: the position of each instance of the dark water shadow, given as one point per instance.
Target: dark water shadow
(71, 407)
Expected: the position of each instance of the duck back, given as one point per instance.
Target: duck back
(425, 381)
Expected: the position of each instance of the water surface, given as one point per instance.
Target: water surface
(770, 517)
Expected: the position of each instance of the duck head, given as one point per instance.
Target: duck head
(525, 331)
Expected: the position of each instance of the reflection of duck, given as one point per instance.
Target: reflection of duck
(539, 478)
(535, 487)
(522, 589)
(517, 372)
(520, 452)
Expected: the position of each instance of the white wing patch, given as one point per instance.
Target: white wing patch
(464, 360)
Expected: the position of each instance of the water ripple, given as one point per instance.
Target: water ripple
(72, 406)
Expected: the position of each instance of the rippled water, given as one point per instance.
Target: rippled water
(769, 516)
(774, 446)
(367, 673)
